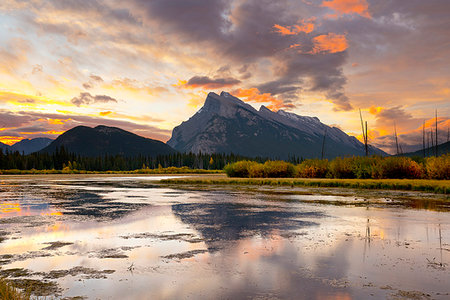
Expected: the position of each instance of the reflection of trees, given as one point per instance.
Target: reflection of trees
(231, 221)
(75, 201)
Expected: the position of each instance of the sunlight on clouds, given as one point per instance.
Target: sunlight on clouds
(348, 7)
(306, 26)
(10, 140)
(330, 43)
(254, 95)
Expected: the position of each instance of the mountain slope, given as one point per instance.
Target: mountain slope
(103, 140)
(28, 146)
(226, 124)
(442, 149)
(5, 147)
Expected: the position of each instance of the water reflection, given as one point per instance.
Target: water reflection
(217, 244)
(220, 222)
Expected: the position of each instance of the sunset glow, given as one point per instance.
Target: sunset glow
(143, 67)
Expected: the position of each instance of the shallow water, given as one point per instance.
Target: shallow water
(129, 238)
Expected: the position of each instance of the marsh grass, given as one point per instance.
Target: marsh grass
(425, 185)
(9, 292)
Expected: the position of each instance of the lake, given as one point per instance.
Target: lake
(128, 237)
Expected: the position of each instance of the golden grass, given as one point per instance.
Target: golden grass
(9, 292)
(427, 185)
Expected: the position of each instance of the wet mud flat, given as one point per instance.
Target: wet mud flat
(117, 237)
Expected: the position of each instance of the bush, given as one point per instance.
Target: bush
(312, 168)
(278, 169)
(256, 171)
(239, 169)
(362, 167)
(342, 168)
(438, 167)
(398, 167)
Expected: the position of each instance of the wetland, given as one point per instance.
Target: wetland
(135, 237)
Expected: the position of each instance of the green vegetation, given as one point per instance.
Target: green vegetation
(374, 167)
(9, 292)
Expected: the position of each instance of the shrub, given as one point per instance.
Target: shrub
(398, 167)
(438, 167)
(312, 168)
(278, 169)
(239, 169)
(362, 167)
(256, 171)
(342, 168)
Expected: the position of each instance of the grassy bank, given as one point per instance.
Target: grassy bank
(426, 185)
(8, 292)
(169, 170)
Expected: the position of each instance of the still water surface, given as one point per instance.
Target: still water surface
(129, 238)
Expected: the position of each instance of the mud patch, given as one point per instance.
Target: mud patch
(86, 273)
(183, 255)
(186, 237)
(15, 272)
(413, 295)
(55, 245)
(113, 253)
(39, 288)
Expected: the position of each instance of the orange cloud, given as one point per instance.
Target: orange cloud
(375, 109)
(359, 7)
(254, 95)
(10, 140)
(105, 113)
(55, 121)
(329, 43)
(43, 132)
(306, 26)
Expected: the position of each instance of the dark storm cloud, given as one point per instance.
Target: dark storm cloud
(87, 98)
(211, 83)
(191, 19)
(242, 32)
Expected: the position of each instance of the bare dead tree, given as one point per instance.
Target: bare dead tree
(364, 132)
(396, 139)
(436, 144)
(423, 139)
(323, 142)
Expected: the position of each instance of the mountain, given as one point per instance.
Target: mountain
(442, 149)
(5, 147)
(103, 140)
(28, 146)
(225, 124)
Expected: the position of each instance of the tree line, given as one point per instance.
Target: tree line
(62, 158)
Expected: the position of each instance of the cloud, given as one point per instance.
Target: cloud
(93, 80)
(359, 7)
(28, 124)
(329, 43)
(306, 26)
(87, 98)
(254, 95)
(206, 82)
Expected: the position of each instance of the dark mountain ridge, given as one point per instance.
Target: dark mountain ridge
(443, 148)
(102, 140)
(28, 146)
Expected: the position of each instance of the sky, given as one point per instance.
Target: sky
(146, 66)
